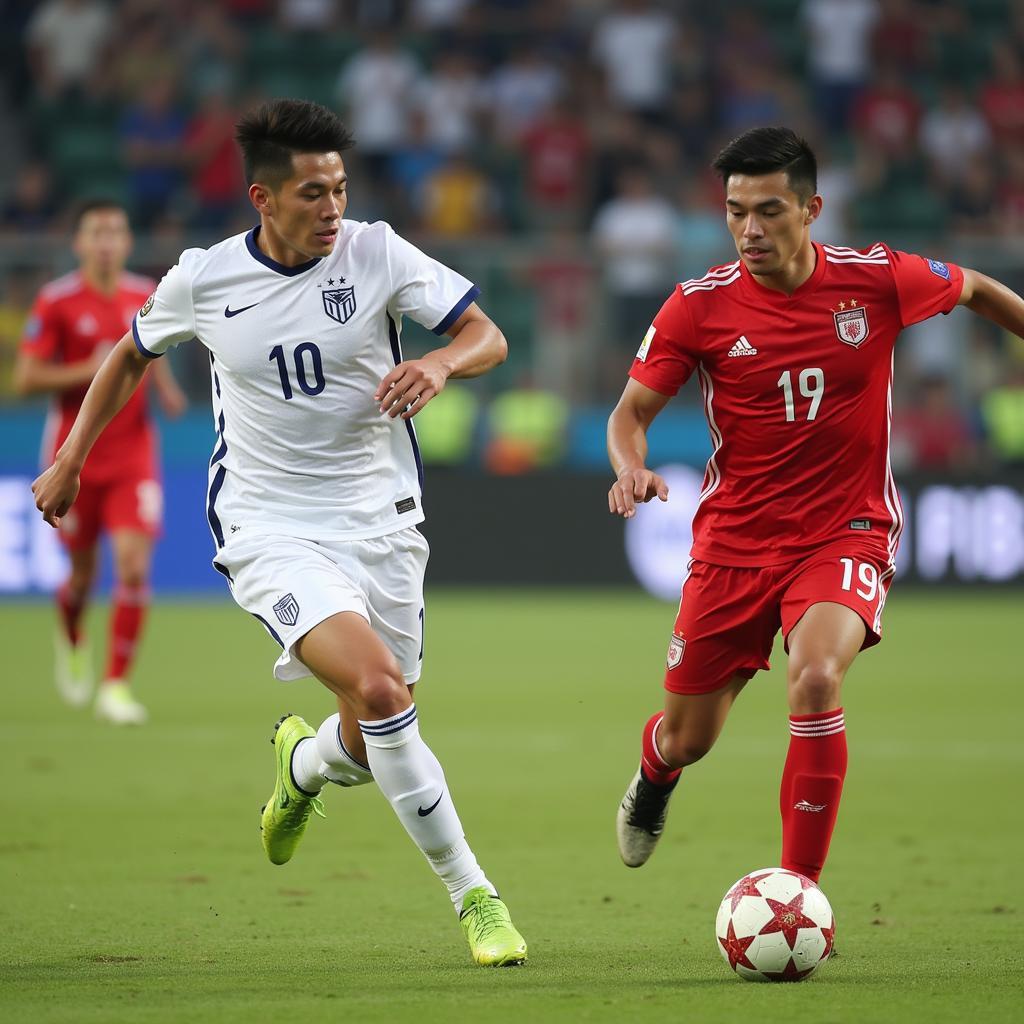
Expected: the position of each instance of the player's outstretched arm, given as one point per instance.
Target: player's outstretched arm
(116, 379)
(476, 347)
(35, 376)
(994, 301)
(627, 449)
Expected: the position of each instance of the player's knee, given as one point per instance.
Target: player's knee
(680, 749)
(382, 693)
(815, 687)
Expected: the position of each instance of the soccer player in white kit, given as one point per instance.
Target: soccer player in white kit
(315, 479)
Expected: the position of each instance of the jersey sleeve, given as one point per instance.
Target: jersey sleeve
(41, 336)
(423, 289)
(924, 286)
(667, 355)
(168, 316)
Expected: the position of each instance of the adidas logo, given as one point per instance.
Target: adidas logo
(743, 348)
(803, 805)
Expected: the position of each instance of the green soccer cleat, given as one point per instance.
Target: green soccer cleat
(115, 703)
(73, 670)
(493, 939)
(286, 814)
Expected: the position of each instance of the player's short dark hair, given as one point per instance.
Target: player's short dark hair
(767, 150)
(87, 206)
(271, 134)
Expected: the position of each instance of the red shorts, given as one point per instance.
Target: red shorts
(126, 503)
(729, 615)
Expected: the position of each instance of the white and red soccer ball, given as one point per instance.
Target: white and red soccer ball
(775, 925)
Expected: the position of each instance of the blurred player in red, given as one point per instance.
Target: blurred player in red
(799, 518)
(75, 322)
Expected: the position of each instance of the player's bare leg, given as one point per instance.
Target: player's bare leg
(72, 657)
(678, 736)
(133, 553)
(822, 646)
(352, 661)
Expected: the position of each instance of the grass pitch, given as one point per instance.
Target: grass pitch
(135, 888)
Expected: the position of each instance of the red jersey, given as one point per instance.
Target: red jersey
(798, 397)
(69, 321)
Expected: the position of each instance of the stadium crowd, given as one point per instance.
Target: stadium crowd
(559, 149)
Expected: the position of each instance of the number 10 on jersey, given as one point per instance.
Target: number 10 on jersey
(302, 372)
(811, 383)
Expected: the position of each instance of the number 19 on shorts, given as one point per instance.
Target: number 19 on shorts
(867, 578)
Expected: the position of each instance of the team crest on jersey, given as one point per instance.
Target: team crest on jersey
(339, 303)
(148, 305)
(851, 324)
(287, 610)
(676, 646)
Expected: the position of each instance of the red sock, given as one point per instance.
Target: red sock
(130, 604)
(651, 763)
(71, 610)
(812, 783)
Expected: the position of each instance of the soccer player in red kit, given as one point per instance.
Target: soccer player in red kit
(799, 517)
(76, 320)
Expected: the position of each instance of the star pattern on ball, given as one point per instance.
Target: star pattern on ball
(830, 934)
(805, 882)
(735, 948)
(745, 887)
(788, 918)
(791, 973)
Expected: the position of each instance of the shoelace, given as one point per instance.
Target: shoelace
(488, 915)
(649, 807)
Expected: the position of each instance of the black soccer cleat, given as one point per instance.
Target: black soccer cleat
(641, 819)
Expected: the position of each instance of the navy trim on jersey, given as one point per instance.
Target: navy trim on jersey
(138, 343)
(279, 268)
(218, 479)
(458, 309)
(269, 628)
(396, 353)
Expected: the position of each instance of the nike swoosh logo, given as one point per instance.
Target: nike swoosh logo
(229, 312)
(423, 813)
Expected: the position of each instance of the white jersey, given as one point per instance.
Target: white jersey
(296, 354)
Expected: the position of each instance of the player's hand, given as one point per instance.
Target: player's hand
(410, 385)
(632, 486)
(55, 491)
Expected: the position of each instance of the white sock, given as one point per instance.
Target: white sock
(337, 764)
(306, 766)
(412, 779)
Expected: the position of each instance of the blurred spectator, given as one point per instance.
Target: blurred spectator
(954, 135)
(307, 15)
(692, 116)
(32, 206)
(411, 165)
(932, 434)
(19, 286)
(557, 152)
(445, 429)
(458, 200)
(972, 200)
(212, 52)
(520, 92)
(838, 54)
(1010, 211)
(886, 113)
(633, 43)
(66, 43)
(148, 52)
(249, 13)
(900, 35)
(376, 89)
(562, 278)
(634, 233)
(701, 238)
(215, 169)
(451, 97)
(152, 134)
(1002, 97)
(836, 185)
(757, 95)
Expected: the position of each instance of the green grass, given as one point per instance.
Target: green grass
(134, 887)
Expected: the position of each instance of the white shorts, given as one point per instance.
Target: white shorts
(292, 585)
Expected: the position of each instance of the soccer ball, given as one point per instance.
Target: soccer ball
(775, 925)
